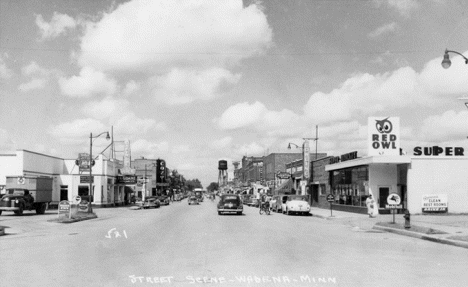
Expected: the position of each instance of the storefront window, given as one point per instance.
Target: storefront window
(348, 185)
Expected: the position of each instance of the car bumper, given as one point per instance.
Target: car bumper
(230, 210)
(9, 208)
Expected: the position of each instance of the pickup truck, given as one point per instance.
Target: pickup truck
(26, 193)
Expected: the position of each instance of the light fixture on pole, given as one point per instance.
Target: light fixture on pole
(446, 63)
(91, 193)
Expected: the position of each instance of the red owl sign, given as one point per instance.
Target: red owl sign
(383, 136)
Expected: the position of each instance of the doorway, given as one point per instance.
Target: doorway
(383, 194)
(314, 194)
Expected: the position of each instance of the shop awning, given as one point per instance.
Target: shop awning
(298, 174)
(383, 159)
(285, 185)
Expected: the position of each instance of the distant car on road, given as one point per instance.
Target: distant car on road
(151, 202)
(296, 204)
(230, 203)
(193, 200)
(164, 200)
(254, 202)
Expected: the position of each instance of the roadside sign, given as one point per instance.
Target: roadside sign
(77, 199)
(64, 208)
(83, 206)
(21, 180)
(393, 199)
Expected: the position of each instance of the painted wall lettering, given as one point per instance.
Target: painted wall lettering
(437, 150)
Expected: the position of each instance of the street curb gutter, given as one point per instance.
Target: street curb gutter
(423, 236)
(324, 217)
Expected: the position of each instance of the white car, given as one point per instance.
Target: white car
(296, 204)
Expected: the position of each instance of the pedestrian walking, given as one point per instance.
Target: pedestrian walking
(370, 202)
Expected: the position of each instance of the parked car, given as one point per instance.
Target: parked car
(193, 200)
(246, 200)
(151, 202)
(230, 203)
(275, 203)
(298, 204)
(164, 200)
(254, 202)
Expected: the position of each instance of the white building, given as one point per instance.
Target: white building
(109, 187)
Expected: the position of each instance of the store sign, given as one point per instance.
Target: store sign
(306, 160)
(435, 203)
(161, 171)
(437, 150)
(85, 179)
(344, 157)
(383, 136)
(83, 162)
(283, 175)
(64, 207)
(127, 179)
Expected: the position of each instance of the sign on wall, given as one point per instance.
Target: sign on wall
(306, 159)
(383, 136)
(437, 150)
(435, 203)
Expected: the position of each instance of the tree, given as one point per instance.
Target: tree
(193, 183)
(213, 186)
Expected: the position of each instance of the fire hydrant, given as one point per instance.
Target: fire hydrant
(407, 218)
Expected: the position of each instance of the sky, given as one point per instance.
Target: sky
(194, 82)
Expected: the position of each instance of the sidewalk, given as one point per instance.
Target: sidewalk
(442, 228)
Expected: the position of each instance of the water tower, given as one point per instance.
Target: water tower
(222, 177)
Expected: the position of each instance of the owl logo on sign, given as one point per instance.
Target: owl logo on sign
(384, 126)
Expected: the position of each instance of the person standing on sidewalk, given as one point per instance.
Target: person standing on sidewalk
(370, 202)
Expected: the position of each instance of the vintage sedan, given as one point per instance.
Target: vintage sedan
(164, 200)
(230, 203)
(151, 202)
(193, 200)
(297, 204)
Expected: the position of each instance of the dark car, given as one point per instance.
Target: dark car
(164, 200)
(193, 200)
(151, 201)
(230, 203)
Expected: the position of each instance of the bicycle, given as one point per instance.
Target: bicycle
(264, 208)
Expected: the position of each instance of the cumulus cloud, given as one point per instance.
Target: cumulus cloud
(77, 131)
(385, 29)
(117, 113)
(106, 108)
(34, 84)
(33, 69)
(342, 113)
(241, 115)
(249, 149)
(448, 126)
(88, 83)
(185, 86)
(131, 87)
(149, 149)
(403, 7)
(58, 25)
(5, 72)
(182, 33)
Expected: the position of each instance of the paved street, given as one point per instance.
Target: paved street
(183, 245)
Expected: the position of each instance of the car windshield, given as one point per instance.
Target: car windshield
(301, 198)
(230, 199)
(16, 191)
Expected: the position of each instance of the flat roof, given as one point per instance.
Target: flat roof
(395, 159)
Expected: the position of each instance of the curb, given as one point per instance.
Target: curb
(2, 231)
(423, 236)
(325, 217)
